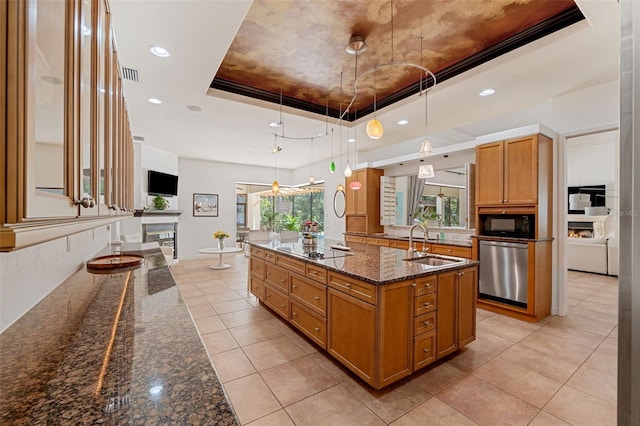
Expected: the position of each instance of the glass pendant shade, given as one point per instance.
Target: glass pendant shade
(312, 180)
(332, 167)
(347, 170)
(426, 147)
(374, 129)
(275, 187)
(355, 185)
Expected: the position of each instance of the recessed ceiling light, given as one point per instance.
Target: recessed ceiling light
(487, 92)
(403, 122)
(160, 51)
(351, 140)
(154, 101)
(194, 108)
(274, 124)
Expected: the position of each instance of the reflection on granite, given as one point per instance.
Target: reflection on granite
(110, 349)
(375, 264)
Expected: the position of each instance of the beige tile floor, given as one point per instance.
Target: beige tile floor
(561, 371)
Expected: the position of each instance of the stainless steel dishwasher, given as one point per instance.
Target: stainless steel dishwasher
(503, 272)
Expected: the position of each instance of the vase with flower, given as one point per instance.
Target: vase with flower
(220, 236)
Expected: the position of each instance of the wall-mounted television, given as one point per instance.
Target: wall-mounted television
(162, 183)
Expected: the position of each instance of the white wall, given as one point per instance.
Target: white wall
(28, 275)
(209, 177)
(159, 161)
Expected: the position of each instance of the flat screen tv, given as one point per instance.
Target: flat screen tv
(162, 183)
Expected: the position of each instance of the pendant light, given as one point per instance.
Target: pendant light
(312, 179)
(355, 185)
(275, 187)
(374, 127)
(425, 148)
(347, 169)
(332, 165)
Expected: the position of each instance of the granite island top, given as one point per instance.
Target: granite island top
(417, 239)
(374, 264)
(114, 349)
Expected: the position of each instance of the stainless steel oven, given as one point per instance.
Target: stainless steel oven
(504, 272)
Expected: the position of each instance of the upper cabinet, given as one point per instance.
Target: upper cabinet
(65, 114)
(508, 172)
(363, 205)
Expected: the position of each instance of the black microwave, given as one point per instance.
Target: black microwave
(508, 225)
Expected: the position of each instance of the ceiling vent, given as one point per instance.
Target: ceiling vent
(129, 74)
(138, 138)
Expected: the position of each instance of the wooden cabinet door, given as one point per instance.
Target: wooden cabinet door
(395, 334)
(467, 295)
(489, 174)
(446, 332)
(350, 195)
(352, 333)
(360, 195)
(521, 171)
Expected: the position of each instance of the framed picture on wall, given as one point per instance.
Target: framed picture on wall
(205, 204)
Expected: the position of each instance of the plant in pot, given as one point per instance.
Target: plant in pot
(160, 203)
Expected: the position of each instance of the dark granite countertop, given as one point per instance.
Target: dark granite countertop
(451, 242)
(114, 349)
(374, 264)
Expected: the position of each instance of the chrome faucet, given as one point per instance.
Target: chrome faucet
(412, 250)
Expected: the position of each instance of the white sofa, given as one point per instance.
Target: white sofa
(588, 255)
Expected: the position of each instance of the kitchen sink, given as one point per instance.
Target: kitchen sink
(435, 260)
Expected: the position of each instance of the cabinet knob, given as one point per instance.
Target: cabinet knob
(427, 323)
(427, 304)
(413, 284)
(85, 202)
(294, 314)
(348, 285)
(268, 272)
(281, 280)
(314, 273)
(294, 286)
(317, 329)
(282, 306)
(317, 297)
(425, 350)
(448, 250)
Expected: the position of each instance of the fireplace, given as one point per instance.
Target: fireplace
(580, 229)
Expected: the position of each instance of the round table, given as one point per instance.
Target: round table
(220, 252)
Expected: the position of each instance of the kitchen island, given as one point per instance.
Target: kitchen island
(381, 315)
(114, 348)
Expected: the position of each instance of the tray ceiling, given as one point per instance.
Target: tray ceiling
(297, 48)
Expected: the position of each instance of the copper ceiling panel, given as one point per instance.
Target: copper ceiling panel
(299, 46)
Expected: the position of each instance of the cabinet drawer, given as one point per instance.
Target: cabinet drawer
(276, 301)
(424, 350)
(290, 264)
(257, 252)
(309, 293)
(256, 266)
(256, 287)
(378, 242)
(315, 328)
(277, 277)
(423, 323)
(426, 285)
(316, 273)
(399, 244)
(353, 287)
(355, 239)
(449, 250)
(424, 304)
(269, 256)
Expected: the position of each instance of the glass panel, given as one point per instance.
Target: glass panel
(86, 32)
(103, 69)
(49, 91)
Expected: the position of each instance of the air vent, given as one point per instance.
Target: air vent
(130, 74)
(138, 138)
